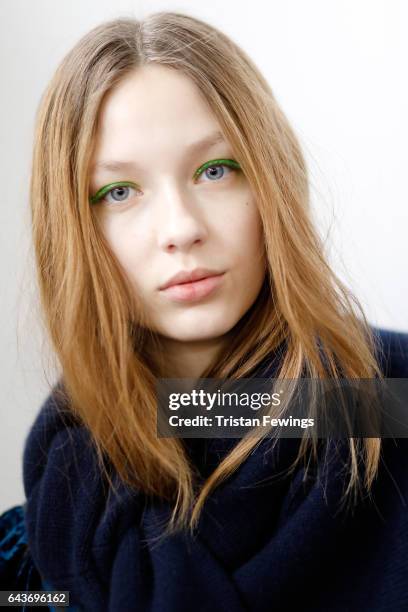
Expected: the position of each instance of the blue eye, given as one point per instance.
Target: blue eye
(118, 194)
(115, 193)
(216, 172)
(216, 169)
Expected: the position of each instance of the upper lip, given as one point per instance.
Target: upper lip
(188, 276)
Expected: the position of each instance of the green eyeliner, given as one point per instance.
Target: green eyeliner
(104, 190)
(214, 162)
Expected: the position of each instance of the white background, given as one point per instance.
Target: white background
(337, 67)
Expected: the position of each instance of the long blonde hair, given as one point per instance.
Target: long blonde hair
(88, 306)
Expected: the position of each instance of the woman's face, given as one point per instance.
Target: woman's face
(166, 214)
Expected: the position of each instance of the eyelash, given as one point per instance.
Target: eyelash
(104, 191)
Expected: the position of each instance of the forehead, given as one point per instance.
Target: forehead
(154, 105)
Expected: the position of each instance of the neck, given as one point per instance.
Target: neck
(189, 359)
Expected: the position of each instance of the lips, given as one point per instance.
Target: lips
(193, 287)
(189, 276)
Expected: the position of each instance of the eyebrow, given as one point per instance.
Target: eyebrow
(191, 149)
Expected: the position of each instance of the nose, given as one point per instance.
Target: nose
(180, 223)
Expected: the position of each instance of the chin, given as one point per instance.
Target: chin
(192, 328)
(195, 335)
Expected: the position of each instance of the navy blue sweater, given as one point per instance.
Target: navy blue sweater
(266, 541)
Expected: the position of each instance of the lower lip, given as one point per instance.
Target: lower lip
(192, 292)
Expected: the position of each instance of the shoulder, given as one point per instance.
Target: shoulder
(391, 485)
(54, 430)
(68, 503)
(392, 352)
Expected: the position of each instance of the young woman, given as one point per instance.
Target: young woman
(173, 239)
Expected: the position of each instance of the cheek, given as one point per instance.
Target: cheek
(245, 236)
(127, 246)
